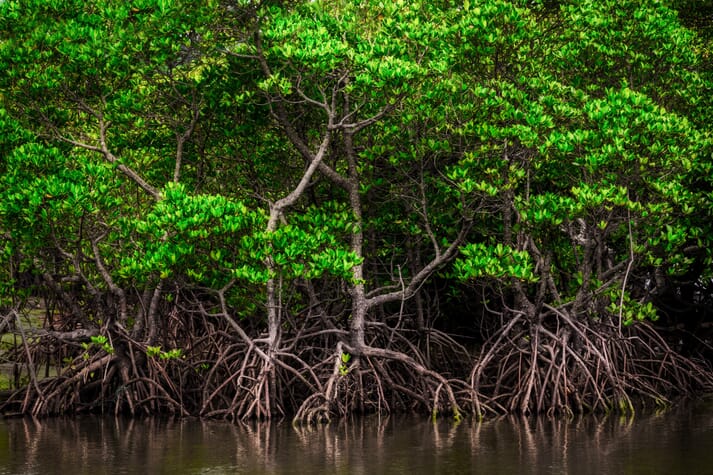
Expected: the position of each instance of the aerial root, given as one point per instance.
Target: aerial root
(371, 379)
(576, 366)
(557, 364)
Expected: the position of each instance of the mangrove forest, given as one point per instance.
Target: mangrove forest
(298, 209)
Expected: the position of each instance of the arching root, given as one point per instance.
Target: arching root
(561, 364)
(379, 380)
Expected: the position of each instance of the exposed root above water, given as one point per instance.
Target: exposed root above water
(562, 364)
(556, 364)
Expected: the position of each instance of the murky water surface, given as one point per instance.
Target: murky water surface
(675, 442)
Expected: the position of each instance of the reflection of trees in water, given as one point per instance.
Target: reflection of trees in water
(655, 443)
(99, 445)
(673, 442)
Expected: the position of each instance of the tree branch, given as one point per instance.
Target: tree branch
(111, 158)
(417, 280)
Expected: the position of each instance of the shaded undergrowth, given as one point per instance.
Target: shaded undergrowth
(211, 365)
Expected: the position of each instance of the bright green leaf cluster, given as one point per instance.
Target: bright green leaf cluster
(482, 261)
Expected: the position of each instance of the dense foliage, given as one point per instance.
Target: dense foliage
(250, 209)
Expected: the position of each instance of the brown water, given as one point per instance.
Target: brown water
(676, 442)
